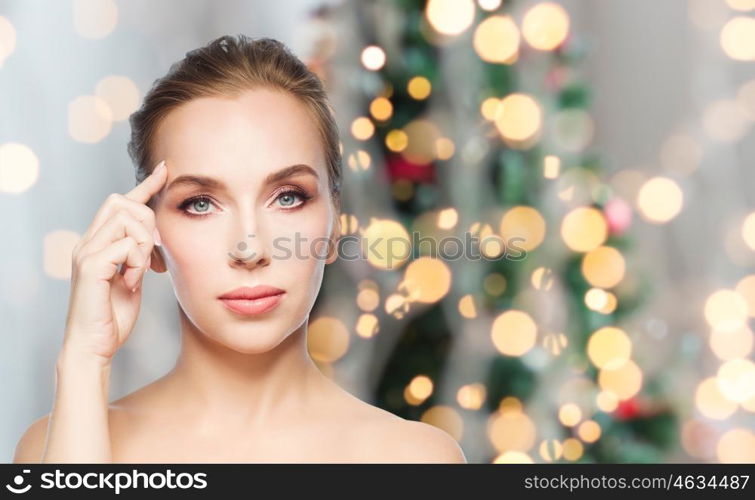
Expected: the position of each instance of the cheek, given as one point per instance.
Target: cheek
(187, 247)
(305, 239)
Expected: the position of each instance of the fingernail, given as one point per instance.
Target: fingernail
(156, 236)
(159, 166)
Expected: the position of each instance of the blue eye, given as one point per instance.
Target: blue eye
(200, 203)
(289, 197)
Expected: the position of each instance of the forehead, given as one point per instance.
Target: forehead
(260, 130)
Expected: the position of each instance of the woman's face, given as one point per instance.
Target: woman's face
(234, 213)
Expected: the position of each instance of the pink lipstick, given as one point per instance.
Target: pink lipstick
(249, 301)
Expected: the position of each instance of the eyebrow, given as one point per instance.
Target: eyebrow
(212, 183)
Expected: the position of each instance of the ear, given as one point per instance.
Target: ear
(335, 235)
(157, 264)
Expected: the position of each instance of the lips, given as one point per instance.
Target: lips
(248, 301)
(247, 293)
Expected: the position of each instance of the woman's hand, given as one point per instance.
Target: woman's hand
(105, 300)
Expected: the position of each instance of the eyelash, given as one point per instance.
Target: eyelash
(187, 203)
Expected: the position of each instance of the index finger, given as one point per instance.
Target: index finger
(149, 186)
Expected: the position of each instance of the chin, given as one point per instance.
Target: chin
(248, 335)
(246, 340)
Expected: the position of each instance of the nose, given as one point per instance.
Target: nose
(248, 252)
(248, 247)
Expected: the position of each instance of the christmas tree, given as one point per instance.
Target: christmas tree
(479, 126)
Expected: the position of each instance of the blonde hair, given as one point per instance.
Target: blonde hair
(228, 66)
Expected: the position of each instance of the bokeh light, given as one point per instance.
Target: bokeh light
(422, 137)
(584, 229)
(489, 108)
(496, 39)
(741, 5)
(551, 166)
(367, 325)
(19, 168)
(725, 310)
(551, 450)
(523, 227)
(450, 17)
(489, 5)
(570, 414)
(381, 108)
(746, 288)
(89, 119)
(573, 449)
(511, 430)
(609, 347)
(419, 88)
(58, 253)
(603, 267)
(327, 339)
(467, 307)
(419, 389)
(589, 431)
(373, 57)
(514, 333)
(427, 280)
(386, 243)
(725, 120)
(362, 128)
(736, 446)
(120, 93)
(711, 402)
(625, 381)
(7, 39)
(730, 344)
(748, 230)
(542, 278)
(446, 418)
(545, 26)
(518, 117)
(660, 199)
(444, 148)
(738, 38)
(736, 379)
(471, 396)
(94, 18)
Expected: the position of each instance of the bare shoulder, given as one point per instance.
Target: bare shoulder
(31, 445)
(388, 438)
(417, 442)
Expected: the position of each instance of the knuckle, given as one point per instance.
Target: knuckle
(122, 215)
(112, 198)
(82, 261)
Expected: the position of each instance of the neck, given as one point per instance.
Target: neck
(218, 384)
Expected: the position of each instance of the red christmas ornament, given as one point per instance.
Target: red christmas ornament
(627, 409)
(618, 214)
(401, 168)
